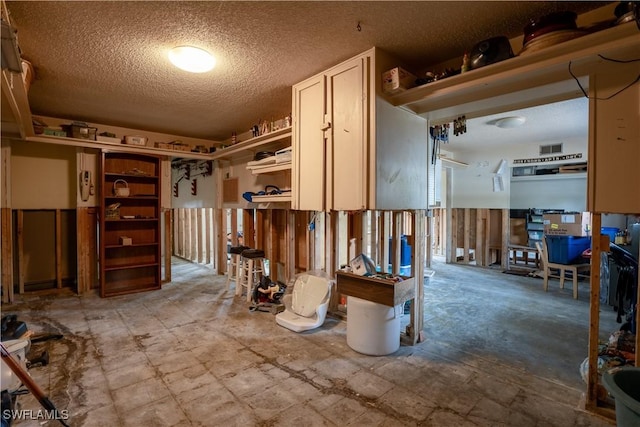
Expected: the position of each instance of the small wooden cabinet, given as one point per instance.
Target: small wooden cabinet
(130, 259)
(352, 149)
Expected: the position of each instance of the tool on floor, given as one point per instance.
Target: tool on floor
(31, 385)
(266, 296)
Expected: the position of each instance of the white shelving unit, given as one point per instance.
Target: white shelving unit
(262, 142)
(257, 170)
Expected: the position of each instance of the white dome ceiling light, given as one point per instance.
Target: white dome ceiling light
(192, 59)
(510, 122)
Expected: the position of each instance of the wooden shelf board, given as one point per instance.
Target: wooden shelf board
(259, 141)
(270, 168)
(109, 220)
(106, 146)
(135, 245)
(508, 81)
(129, 266)
(272, 198)
(129, 175)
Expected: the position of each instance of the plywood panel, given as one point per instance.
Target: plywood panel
(616, 140)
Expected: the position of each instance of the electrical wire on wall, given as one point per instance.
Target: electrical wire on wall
(620, 61)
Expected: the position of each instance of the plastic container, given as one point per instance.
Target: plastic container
(567, 249)
(405, 251)
(611, 232)
(372, 328)
(622, 384)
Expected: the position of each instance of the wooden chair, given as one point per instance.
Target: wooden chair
(558, 271)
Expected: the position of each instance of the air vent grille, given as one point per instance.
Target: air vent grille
(550, 149)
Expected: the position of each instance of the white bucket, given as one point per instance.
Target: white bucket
(373, 328)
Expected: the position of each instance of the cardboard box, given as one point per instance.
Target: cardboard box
(126, 241)
(108, 139)
(397, 80)
(567, 224)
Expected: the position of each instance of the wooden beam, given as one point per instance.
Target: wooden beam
(20, 249)
(168, 243)
(396, 246)
(452, 235)
(594, 316)
(248, 228)
(504, 252)
(7, 255)
(373, 227)
(85, 244)
(220, 241)
(193, 233)
(466, 233)
(291, 244)
(199, 232)
(385, 235)
(208, 236)
(418, 222)
(481, 238)
(58, 219)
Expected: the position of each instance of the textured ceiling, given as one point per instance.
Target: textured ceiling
(105, 62)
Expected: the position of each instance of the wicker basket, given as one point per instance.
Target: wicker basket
(121, 191)
(112, 211)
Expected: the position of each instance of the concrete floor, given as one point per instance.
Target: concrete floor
(498, 352)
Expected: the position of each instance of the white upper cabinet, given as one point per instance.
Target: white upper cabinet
(352, 149)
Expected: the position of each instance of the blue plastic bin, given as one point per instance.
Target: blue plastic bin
(567, 249)
(611, 232)
(405, 251)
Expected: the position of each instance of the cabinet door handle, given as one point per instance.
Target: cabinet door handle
(326, 126)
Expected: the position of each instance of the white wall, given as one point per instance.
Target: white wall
(205, 196)
(43, 176)
(472, 187)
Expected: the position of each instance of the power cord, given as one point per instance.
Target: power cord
(621, 61)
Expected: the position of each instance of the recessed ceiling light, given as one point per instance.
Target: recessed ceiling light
(510, 122)
(192, 59)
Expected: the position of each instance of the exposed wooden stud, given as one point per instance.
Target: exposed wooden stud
(396, 243)
(7, 255)
(291, 244)
(220, 250)
(311, 242)
(504, 252)
(417, 267)
(193, 232)
(58, 240)
(20, 249)
(480, 242)
(486, 247)
(168, 243)
(594, 315)
(199, 227)
(429, 238)
(373, 237)
(86, 244)
(182, 245)
(248, 228)
(208, 236)
(465, 237)
(385, 235)
(452, 235)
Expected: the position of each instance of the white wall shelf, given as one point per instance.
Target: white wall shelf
(508, 83)
(257, 170)
(138, 149)
(285, 197)
(262, 141)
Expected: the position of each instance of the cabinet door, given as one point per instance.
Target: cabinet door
(346, 101)
(309, 161)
